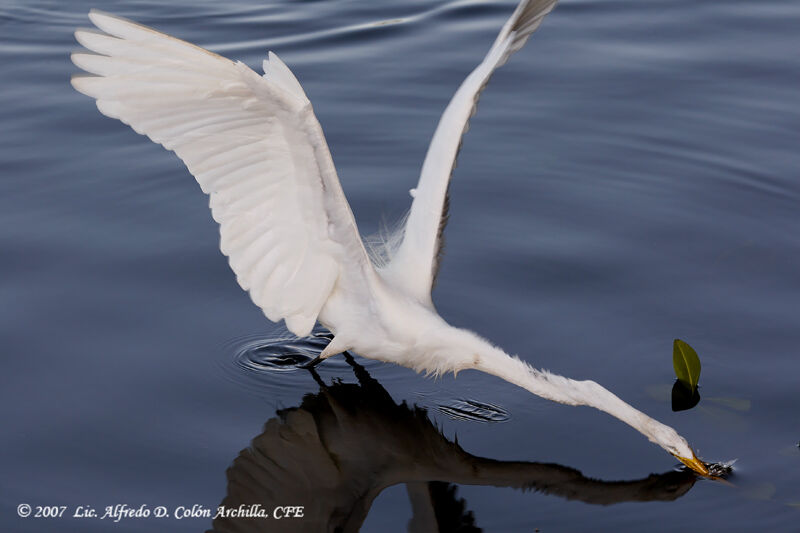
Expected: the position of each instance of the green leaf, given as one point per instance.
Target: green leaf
(686, 363)
(683, 397)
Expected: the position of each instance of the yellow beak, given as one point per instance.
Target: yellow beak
(695, 464)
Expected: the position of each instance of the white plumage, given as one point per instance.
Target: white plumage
(256, 148)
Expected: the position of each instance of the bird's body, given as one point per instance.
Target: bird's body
(255, 146)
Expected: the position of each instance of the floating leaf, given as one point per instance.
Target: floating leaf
(686, 363)
(683, 397)
(737, 404)
(761, 491)
(724, 418)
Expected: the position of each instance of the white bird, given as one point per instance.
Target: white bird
(256, 148)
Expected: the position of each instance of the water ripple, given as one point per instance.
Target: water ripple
(272, 365)
(350, 32)
(474, 411)
(279, 355)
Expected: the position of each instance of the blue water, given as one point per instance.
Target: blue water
(631, 177)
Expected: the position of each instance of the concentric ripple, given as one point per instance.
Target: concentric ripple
(272, 366)
(281, 355)
(474, 411)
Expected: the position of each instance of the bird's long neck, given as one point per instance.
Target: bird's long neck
(481, 355)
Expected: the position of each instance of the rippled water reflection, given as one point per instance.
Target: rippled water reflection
(348, 442)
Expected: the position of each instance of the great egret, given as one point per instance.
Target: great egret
(256, 148)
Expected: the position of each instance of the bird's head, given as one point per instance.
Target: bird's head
(694, 463)
(669, 439)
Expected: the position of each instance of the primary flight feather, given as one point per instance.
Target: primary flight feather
(256, 148)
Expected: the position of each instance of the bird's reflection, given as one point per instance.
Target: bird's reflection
(345, 444)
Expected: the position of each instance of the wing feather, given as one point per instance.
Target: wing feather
(414, 265)
(254, 146)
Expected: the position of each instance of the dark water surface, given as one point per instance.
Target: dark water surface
(631, 177)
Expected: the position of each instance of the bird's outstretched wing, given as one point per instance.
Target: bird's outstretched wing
(256, 149)
(415, 263)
